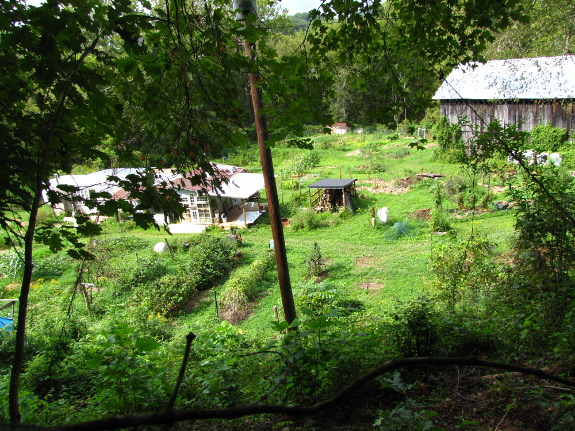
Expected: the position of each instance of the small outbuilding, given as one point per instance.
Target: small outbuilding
(524, 92)
(332, 194)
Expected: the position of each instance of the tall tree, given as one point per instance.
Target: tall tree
(391, 55)
(549, 31)
(165, 80)
(77, 73)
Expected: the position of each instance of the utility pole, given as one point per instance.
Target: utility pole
(243, 9)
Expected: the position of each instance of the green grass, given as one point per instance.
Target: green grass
(366, 263)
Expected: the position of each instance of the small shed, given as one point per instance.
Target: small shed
(340, 128)
(522, 91)
(332, 194)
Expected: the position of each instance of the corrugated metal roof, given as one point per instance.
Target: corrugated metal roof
(329, 183)
(520, 78)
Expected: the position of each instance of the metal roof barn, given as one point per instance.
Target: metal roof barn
(519, 78)
(524, 92)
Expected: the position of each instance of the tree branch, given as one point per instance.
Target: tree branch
(170, 417)
(189, 338)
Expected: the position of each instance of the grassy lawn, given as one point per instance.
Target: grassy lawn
(375, 265)
(365, 263)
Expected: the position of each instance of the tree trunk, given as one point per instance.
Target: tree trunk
(13, 406)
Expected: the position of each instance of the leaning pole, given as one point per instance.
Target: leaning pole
(243, 9)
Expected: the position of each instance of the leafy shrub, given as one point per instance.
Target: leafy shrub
(393, 137)
(306, 143)
(568, 158)
(301, 163)
(316, 298)
(542, 271)
(209, 257)
(406, 128)
(314, 261)
(546, 138)
(167, 294)
(149, 271)
(244, 156)
(439, 221)
(305, 219)
(165, 290)
(244, 286)
(129, 377)
(448, 136)
(416, 331)
(376, 167)
(400, 153)
(464, 271)
(466, 194)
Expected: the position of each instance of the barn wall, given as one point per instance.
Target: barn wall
(529, 113)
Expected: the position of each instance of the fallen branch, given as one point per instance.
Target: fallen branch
(171, 417)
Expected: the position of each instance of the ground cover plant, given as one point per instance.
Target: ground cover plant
(365, 293)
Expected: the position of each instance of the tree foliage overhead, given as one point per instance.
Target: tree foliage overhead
(549, 31)
(166, 82)
(388, 57)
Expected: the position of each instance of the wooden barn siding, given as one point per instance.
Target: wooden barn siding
(529, 112)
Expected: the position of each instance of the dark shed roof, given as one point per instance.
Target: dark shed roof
(329, 183)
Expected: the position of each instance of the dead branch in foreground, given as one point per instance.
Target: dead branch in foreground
(171, 417)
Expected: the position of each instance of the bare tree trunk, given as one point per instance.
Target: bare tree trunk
(13, 406)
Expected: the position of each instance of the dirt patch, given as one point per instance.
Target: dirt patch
(235, 316)
(371, 285)
(366, 262)
(13, 286)
(468, 212)
(423, 214)
(497, 189)
(395, 187)
(353, 153)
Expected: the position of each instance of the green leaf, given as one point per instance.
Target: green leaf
(95, 362)
(279, 326)
(147, 344)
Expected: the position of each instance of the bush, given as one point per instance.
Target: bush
(464, 272)
(416, 331)
(448, 136)
(400, 153)
(11, 265)
(304, 219)
(316, 298)
(568, 158)
(243, 287)
(300, 164)
(315, 262)
(464, 193)
(376, 167)
(165, 290)
(546, 138)
(439, 221)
